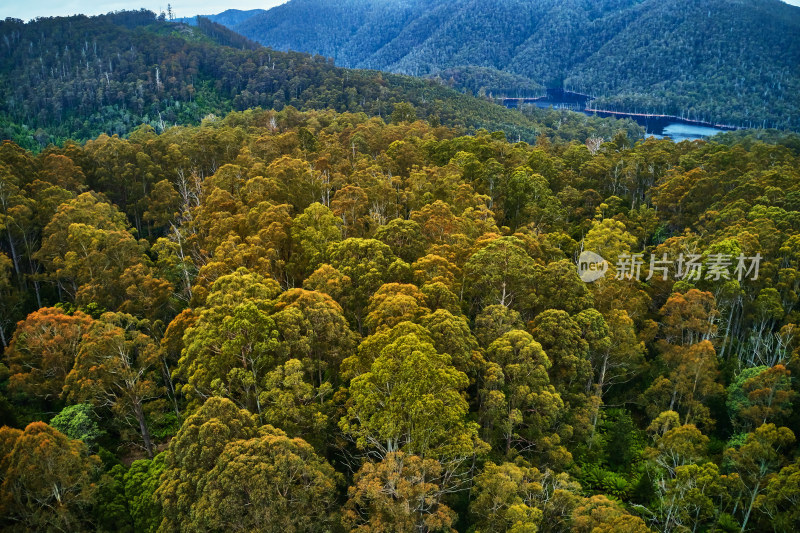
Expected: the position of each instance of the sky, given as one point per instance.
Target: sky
(181, 8)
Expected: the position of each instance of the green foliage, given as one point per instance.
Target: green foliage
(80, 423)
(141, 481)
(48, 480)
(441, 325)
(180, 75)
(111, 504)
(519, 47)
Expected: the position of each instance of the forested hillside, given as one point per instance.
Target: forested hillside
(702, 60)
(313, 321)
(78, 77)
(229, 17)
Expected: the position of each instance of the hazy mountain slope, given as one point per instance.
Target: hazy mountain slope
(58, 83)
(231, 17)
(728, 60)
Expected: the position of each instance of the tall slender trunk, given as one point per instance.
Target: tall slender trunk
(148, 444)
(168, 379)
(750, 507)
(599, 395)
(14, 256)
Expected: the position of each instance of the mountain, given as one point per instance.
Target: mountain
(229, 17)
(77, 77)
(706, 60)
(232, 17)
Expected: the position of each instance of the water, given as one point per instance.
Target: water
(654, 127)
(659, 127)
(686, 132)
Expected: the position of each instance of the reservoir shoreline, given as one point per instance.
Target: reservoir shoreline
(657, 125)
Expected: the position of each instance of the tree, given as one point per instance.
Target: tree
(314, 329)
(609, 239)
(520, 406)
(141, 481)
(689, 498)
(228, 353)
(571, 370)
(675, 445)
(501, 273)
(759, 395)
(615, 352)
(756, 460)
(365, 262)
(410, 400)
(47, 481)
(270, 483)
(689, 318)
(519, 498)
(78, 422)
(62, 171)
(163, 204)
(598, 514)
(530, 199)
(691, 379)
(403, 112)
(116, 369)
(313, 232)
(234, 342)
(451, 335)
(297, 406)
(193, 453)
(13, 208)
(170, 349)
(558, 286)
(394, 303)
(43, 351)
(780, 501)
(433, 268)
(87, 247)
(494, 321)
(146, 295)
(439, 297)
(9, 298)
(402, 493)
(110, 510)
(372, 346)
(350, 205)
(404, 237)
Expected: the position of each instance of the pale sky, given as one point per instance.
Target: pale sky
(182, 8)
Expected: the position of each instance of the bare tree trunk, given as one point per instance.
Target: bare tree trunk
(749, 508)
(148, 444)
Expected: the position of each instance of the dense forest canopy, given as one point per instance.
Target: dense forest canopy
(243, 289)
(78, 77)
(308, 321)
(705, 60)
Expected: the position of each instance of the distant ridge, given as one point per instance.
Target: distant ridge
(707, 60)
(229, 17)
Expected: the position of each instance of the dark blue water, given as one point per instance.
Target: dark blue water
(660, 127)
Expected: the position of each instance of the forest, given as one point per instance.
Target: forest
(329, 321)
(78, 77)
(698, 60)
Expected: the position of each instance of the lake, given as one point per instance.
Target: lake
(685, 132)
(659, 126)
